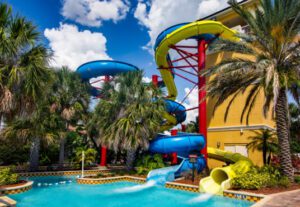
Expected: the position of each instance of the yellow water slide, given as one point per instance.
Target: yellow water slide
(182, 33)
(219, 179)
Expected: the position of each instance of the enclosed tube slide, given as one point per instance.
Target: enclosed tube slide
(183, 144)
(219, 179)
(98, 68)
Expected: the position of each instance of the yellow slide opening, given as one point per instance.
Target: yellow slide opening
(219, 179)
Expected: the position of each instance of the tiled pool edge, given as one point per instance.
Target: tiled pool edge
(227, 193)
(16, 189)
(60, 173)
(184, 187)
(241, 195)
(95, 181)
(172, 185)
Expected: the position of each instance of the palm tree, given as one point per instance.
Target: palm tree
(39, 127)
(269, 63)
(24, 68)
(69, 99)
(193, 126)
(130, 116)
(89, 156)
(265, 141)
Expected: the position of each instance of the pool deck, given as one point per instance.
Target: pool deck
(7, 202)
(285, 199)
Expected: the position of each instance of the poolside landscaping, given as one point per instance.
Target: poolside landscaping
(217, 124)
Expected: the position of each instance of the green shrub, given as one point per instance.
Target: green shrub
(258, 178)
(297, 179)
(148, 163)
(284, 182)
(100, 175)
(8, 177)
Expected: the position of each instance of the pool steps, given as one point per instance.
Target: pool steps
(7, 202)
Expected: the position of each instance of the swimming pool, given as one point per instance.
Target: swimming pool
(57, 191)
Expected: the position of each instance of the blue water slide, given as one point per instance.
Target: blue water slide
(98, 68)
(167, 31)
(176, 109)
(183, 144)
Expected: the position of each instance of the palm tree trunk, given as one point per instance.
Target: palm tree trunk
(264, 151)
(34, 154)
(269, 158)
(281, 110)
(130, 158)
(61, 159)
(61, 152)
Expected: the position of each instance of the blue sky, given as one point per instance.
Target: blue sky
(78, 31)
(125, 38)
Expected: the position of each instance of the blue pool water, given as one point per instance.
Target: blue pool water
(64, 192)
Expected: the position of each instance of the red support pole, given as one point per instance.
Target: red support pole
(202, 94)
(155, 80)
(174, 132)
(106, 78)
(103, 156)
(174, 154)
(183, 127)
(103, 159)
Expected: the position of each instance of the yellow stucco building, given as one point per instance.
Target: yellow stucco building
(233, 135)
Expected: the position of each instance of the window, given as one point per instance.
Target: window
(242, 149)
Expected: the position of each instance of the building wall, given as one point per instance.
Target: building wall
(234, 137)
(234, 131)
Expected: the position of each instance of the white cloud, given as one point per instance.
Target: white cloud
(191, 102)
(72, 47)
(159, 15)
(147, 79)
(93, 12)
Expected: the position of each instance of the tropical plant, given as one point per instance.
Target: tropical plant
(258, 178)
(70, 100)
(147, 163)
(89, 156)
(297, 179)
(24, 72)
(295, 146)
(193, 126)
(39, 127)
(128, 117)
(74, 140)
(266, 142)
(7, 177)
(268, 63)
(12, 152)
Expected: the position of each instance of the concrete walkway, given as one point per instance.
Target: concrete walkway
(286, 199)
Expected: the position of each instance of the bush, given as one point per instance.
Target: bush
(258, 178)
(295, 146)
(284, 182)
(148, 163)
(297, 179)
(296, 162)
(7, 177)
